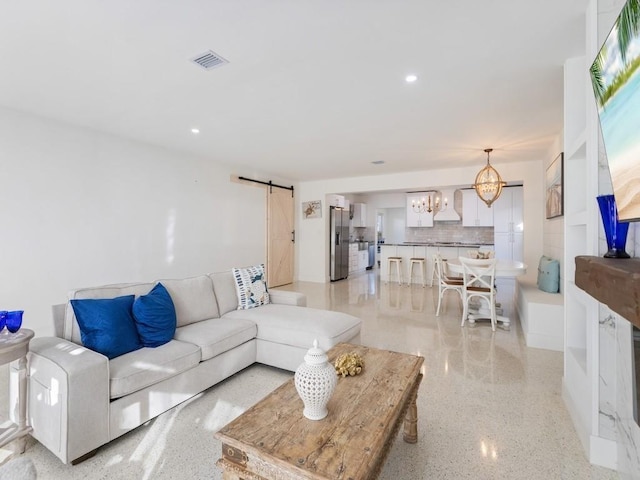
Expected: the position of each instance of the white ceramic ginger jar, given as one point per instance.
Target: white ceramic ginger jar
(315, 380)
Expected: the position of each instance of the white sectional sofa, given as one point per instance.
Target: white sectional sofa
(80, 400)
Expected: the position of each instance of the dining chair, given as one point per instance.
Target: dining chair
(478, 278)
(444, 283)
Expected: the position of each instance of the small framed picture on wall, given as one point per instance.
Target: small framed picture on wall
(312, 209)
(554, 182)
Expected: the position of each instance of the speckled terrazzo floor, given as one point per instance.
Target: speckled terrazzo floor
(488, 406)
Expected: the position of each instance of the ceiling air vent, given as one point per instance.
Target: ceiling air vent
(209, 60)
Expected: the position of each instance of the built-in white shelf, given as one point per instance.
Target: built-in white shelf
(577, 148)
(579, 356)
(581, 362)
(576, 219)
(580, 295)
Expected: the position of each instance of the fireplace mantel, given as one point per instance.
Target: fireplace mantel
(612, 281)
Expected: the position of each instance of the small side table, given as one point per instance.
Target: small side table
(14, 346)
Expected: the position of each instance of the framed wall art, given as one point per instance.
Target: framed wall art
(554, 182)
(312, 209)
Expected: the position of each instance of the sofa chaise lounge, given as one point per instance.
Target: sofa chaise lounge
(78, 399)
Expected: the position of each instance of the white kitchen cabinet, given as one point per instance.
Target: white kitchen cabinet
(336, 201)
(409, 251)
(363, 259)
(353, 258)
(485, 214)
(415, 219)
(386, 251)
(359, 215)
(507, 215)
(509, 225)
(406, 252)
(509, 246)
(448, 253)
(430, 251)
(475, 212)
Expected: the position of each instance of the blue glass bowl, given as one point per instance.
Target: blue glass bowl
(14, 320)
(3, 319)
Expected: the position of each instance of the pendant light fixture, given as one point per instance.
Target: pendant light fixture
(489, 183)
(424, 205)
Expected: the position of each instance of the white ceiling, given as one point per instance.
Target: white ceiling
(314, 88)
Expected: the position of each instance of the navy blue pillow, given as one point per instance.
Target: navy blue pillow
(106, 325)
(155, 317)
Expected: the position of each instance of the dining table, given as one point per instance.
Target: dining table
(504, 269)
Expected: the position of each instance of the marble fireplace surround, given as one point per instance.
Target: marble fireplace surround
(615, 283)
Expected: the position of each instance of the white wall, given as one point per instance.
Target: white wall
(380, 201)
(312, 249)
(553, 242)
(81, 209)
(392, 206)
(394, 222)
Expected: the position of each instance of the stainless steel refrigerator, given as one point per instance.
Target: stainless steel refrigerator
(339, 240)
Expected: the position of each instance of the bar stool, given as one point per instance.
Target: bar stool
(420, 262)
(397, 261)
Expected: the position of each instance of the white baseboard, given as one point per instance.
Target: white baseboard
(604, 452)
(547, 342)
(599, 451)
(576, 417)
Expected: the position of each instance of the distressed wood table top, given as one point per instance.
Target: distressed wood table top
(273, 440)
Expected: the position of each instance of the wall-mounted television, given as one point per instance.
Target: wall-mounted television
(615, 77)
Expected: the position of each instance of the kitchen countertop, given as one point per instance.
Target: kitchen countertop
(437, 244)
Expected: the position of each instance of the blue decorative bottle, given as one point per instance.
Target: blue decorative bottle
(615, 231)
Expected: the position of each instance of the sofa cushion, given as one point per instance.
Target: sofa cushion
(299, 326)
(251, 286)
(155, 317)
(217, 335)
(549, 275)
(71, 330)
(136, 370)
(224, 286)
(193, 299)
(106, 325)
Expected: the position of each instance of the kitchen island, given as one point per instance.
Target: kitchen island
(424, 250)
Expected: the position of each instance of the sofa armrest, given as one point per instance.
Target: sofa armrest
(68, 397)
(285, 297)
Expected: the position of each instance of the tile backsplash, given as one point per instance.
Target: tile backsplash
(449, 232)
(367, 234)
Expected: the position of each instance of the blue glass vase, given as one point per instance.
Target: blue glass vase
(3, 319)
(615, 231)
(14, 320)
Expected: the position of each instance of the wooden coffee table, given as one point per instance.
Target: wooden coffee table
(273, 440)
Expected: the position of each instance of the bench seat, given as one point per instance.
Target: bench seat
(541, 316)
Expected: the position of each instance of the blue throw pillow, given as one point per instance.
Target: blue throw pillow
(549, 275)
(155, 317)
(106, 325)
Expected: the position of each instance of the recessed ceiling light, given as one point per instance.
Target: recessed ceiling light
(195, 131)
(378, 162)
(411, 78)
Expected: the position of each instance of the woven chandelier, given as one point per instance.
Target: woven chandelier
(489, 183)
